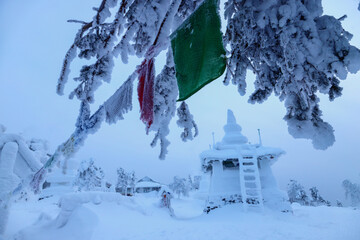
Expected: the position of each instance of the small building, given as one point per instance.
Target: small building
(240, 172)
(146, 185)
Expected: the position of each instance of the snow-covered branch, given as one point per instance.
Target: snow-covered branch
(295, 52)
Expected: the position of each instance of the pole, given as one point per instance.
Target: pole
(260, 142)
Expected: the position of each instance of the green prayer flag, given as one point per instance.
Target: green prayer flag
(198, 50)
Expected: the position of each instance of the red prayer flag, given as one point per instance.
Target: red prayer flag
(146, 73)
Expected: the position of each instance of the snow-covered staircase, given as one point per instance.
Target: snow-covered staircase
(250, 183)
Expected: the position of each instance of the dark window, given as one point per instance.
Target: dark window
(230, 163)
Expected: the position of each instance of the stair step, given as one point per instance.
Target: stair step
(252, 168)
(250, 185)
(252, 194)
(250, 182)
(248, 177)
(248, 163)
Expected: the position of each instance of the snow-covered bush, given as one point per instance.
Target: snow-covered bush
(316, 198)
(193, 182)
(196, 183)
(296, 193)
(89, 177)
(121, 184)
(125, 182)
(190, 183)
(352, 192)
(180, 186)
(132, 182)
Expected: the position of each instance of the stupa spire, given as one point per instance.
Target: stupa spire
(232, 130)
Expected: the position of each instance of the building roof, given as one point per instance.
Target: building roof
(147, 182)
(146, 179)
(247, 150)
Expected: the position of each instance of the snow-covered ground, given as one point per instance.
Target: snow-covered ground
(114, 217)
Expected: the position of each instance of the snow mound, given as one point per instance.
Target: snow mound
(81, 225)
(139, 217)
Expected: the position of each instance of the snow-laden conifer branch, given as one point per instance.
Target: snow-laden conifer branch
(295, 51)
(65, 70)
(187, 122)
(118, 104)
(148, 25)
(94, 39)
(165, 95)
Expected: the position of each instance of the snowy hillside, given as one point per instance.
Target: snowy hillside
(110, 216)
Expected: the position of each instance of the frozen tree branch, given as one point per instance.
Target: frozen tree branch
(294, 50)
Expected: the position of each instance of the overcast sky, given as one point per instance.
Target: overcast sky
(33, 41)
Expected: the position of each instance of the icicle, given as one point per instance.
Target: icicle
(146, 73)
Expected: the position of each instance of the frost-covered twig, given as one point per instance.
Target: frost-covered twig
(187, 122)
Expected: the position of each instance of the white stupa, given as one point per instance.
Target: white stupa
(239, 172)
